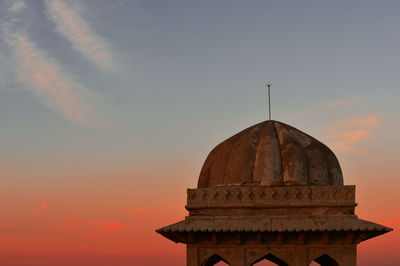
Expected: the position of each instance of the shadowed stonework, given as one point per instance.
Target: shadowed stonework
(271, 192)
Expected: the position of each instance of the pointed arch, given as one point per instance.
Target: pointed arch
(326, 260)
(213, 259)
(272, 258)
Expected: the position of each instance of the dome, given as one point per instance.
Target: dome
(270, 153)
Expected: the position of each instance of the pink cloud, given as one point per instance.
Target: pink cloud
(345, 140)
(107, 227)
(346, 134)
(76, 29)
(45, 78)
(41, 207)
(369, 121)
(77, 226)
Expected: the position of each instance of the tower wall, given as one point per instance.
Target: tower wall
(271, 192)
(247, 255)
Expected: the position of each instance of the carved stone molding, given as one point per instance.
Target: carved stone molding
(262, 196)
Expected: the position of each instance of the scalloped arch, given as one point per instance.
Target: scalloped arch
(271, 257)
(324, 260)
(213, 259)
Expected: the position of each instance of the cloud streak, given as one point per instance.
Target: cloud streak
(76, 29)
(78, 226)
(351, 122)
(41, 207)
(346, 102)
(347, 133)
(17, 6)
(44, 77)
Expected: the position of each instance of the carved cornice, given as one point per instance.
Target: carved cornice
(302, 238)
(270, 197)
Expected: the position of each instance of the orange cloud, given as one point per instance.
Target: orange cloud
(78, 226)
(73, 27)
(44, 77)
(107, 227)
(369, 121)
(345, 134)
(41, 207)
(346, 140)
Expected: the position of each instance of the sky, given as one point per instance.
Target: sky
(108, 110)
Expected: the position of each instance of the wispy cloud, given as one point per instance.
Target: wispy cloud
(17, 6)
(346, 102)
(354, 122)
(107, 227)
(345, 134)
(44, 76)
(41, 207)
(5, 70)
(76, 29)
(78, 226)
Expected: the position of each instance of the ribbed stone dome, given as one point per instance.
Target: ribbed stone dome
(270, 153)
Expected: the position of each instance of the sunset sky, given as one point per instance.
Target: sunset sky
(108, 110)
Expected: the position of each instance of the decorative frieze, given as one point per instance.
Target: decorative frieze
(263, 196)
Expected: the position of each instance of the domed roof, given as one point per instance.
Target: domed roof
(270, 153)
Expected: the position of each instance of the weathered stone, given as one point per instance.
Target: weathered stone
(271, 192)
(270, 153)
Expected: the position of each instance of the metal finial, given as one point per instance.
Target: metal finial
(268, 85)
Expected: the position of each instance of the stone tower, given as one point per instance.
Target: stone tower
(271, 192)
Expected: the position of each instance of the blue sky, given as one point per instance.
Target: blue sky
(203, 64)
(171, 71)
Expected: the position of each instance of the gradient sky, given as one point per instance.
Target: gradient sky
(109, 108)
